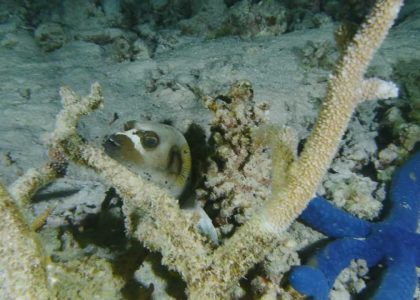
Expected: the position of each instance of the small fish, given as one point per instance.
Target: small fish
(160, 154)
(157, 152)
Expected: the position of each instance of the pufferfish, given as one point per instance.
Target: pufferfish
(157, 152)
(160, 154)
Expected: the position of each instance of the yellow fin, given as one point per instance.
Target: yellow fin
(185, 170)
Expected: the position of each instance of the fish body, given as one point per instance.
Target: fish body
(160, 154)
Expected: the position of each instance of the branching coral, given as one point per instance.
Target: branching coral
(25, 187)
(346, 89)
(151, 217)
(393, 241)
(154, 218)
(23, 274)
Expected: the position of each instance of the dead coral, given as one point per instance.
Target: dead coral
(318, 55)
(355, 193)
(244, 18)
(248, 19)
(50, 36)
(239, 172)
(401, 122)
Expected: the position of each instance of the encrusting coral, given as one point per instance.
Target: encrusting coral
(238, 176)
(154, 218)
(393, 241)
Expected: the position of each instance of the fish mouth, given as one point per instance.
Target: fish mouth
(121, 148)
(111, 146)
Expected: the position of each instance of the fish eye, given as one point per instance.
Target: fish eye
(149, 139)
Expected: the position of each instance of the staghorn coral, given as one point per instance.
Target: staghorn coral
(154, 217)
(393, 240)
(22, 259)
(26, 270)
(150, 217)
(345, 91)
(346, 87)
(25, 187)
(25, 275)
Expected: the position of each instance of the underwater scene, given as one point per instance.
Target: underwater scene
(209, 149)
